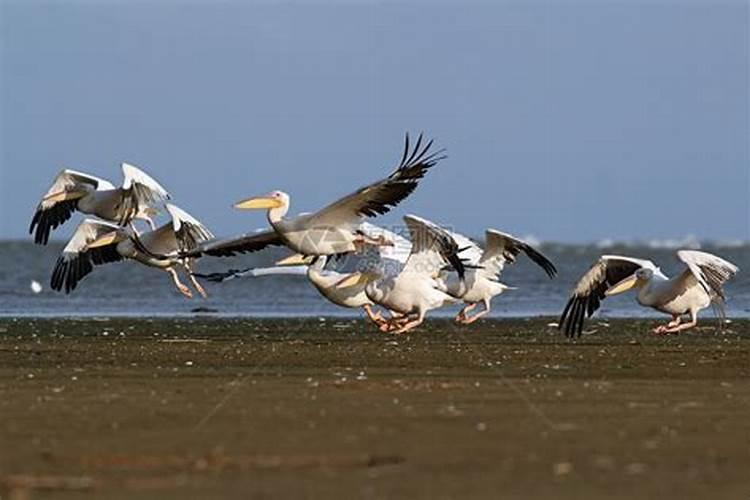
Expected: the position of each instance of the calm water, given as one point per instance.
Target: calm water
(129, 289)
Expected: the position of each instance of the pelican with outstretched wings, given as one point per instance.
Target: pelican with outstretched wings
(96, 242)
(416, 288)
(696, 288)
(91, 195)
(483, 269)
(333, 229)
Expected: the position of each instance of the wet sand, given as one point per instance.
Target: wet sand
(238, 408)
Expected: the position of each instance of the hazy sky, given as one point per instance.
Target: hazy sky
(571, 121)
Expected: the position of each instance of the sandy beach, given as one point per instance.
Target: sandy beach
(329, 408)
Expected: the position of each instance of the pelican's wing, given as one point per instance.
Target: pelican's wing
(432, 249)
(244, 243)
(469, 250)
(60, 201)
(77, 260)
(397, 251)
(189, 231)
(379, 197)
(139, 191)
(502, 249)
(590, 289)
(709, 270)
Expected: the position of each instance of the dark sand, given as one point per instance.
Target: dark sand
(215, 408)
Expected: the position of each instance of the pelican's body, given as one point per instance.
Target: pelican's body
(91, 195)
(484, 266)
(416, 287)
(96, 242)
(696, 288)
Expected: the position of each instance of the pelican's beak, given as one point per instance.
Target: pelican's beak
(622, 286)
(64, 195)
(353, 280)
(258, 202)
(296, 260)
(103, 241)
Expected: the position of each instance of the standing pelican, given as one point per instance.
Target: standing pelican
(96, 242)
(417, 288)
(483, 268)
(697, 287)
(335, 228)
(91, 195)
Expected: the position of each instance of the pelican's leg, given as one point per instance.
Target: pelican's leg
(665, 328)
(684, 326)
(188, 265)
(374, 316)
(469, 320)
(394, 323)
(361, 241)
(182, 288)
(462, 314)
(411, 324)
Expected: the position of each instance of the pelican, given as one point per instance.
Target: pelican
(696, 288)
(333, 229)
(417, 287)
(325, 281)
(483, 268)
(96, 242)
(91, 195)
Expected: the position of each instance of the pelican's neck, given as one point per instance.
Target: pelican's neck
(277, 214)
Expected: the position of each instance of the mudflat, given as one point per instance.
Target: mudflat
(330, 408)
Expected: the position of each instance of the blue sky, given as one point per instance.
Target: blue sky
(572, 121)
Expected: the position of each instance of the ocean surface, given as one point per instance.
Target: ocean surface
(130, 289)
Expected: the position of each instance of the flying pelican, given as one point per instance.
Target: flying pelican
(416, 288)
(96, 242)
(335, 228)
(483, 268)
(324, 280)
(91, 195)
(697, 287)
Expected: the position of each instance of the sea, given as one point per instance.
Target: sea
(131, 289)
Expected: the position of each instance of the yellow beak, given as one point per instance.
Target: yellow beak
(257, 203)
(295, 260)
(622, 286)
(103, 241)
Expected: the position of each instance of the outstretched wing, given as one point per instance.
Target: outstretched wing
(432, 248)
(245, 243)
(502, 249)
(379, 197)
(61, 200)
(709, 270)
(140, 190)
(590, 289)
(188, 230)
(77, 260)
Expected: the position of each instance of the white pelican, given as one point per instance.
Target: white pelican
(96, 242)
(483, 268)
(697, 287)
(91, 195)
(325, 280)
(417, 288)
(334, 229)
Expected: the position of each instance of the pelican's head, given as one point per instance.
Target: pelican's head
(637, 279)
(274, 199)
